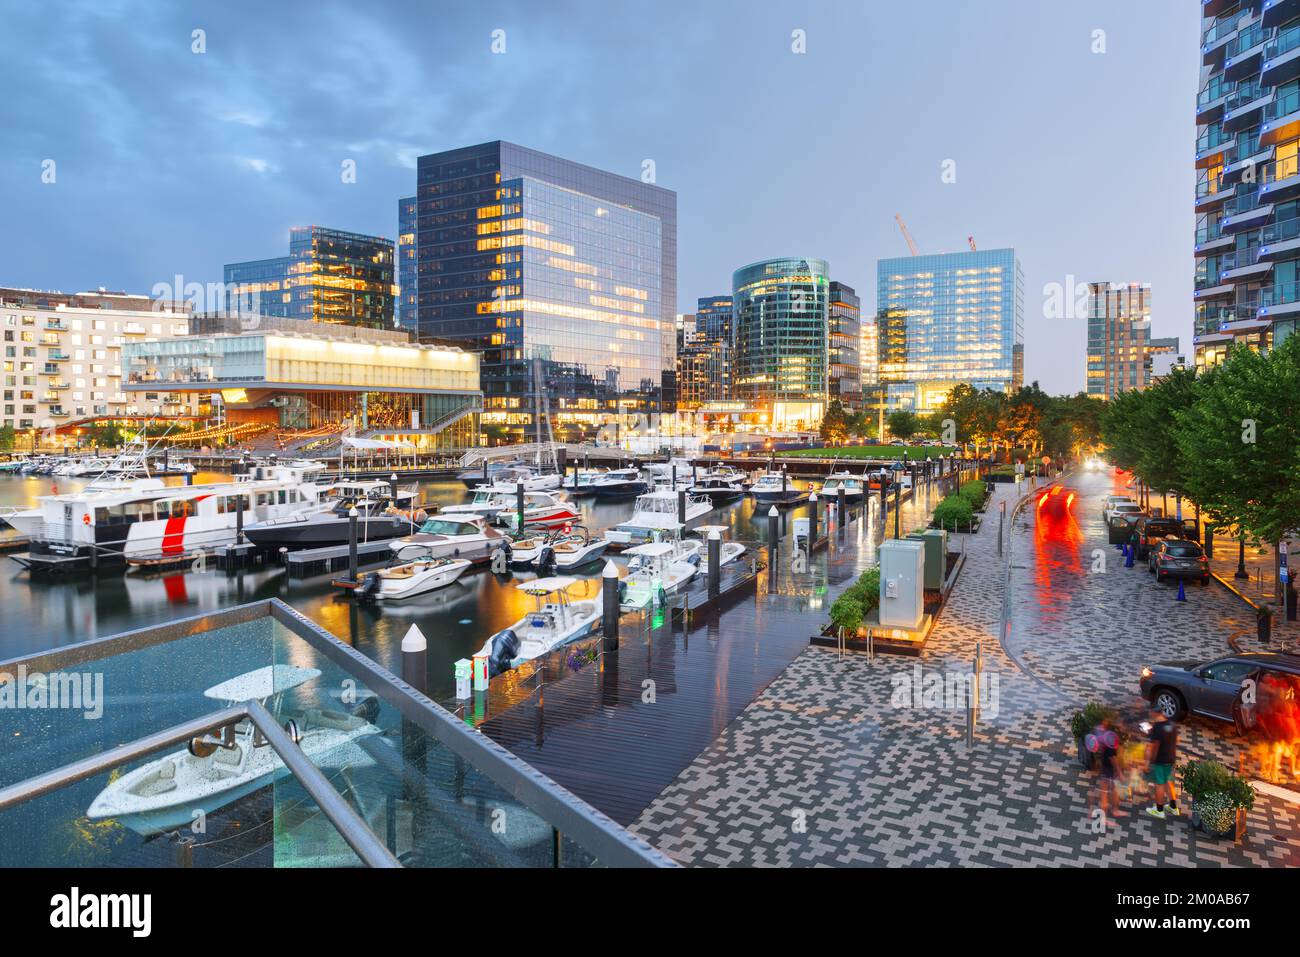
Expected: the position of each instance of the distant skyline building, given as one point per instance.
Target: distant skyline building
(1119, 338)
(329, 276)
(561, 276)
(945, 319)
(780, 337)
(704, 356)
(845, 348)
(406, 225)
(1163, 356)
(1247, 242)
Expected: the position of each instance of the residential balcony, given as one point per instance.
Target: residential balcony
(57, 355)
(1210, 109)
(50, 369)
(1281, 59)
(57, 412)
(1281, 181)
(1208, 201)
(1281, 120)
(1221, 290)
(1245, 54)
(1218, 244)
(1249, 219)
(1236, 171)
(1212, 8)
(134, 329)
(1248, 110)
(57, 385)
(1282, 299)
(1278, 12)
(1249, 272)
(57, 325)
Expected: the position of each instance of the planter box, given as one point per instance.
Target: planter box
(1086, 758)
(1237, 830)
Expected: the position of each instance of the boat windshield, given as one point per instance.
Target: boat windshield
(441, 526)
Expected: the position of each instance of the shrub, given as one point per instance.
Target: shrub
(1201, 779)
(973, 491)
(1084, 721)
(1218, 813)
(847, 612)
(868, 587)
(953, 512)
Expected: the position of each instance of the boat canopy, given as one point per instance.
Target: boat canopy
(545, 586)
(706, 530)
(261, 684)
(653, 549)
(376, 444)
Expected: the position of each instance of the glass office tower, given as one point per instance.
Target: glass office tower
(562, 276)
(780, 338)
(1247, 290)
(845, 352)
(329, 276)
(406, 221)
(1119, 338)
(944, 319)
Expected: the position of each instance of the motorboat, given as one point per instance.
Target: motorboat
(665, 472)
(529, 478)
(486, 474)
(657, 513)
(487, 501)
(719, 490)
(449, 536)
(854, 487)
(410, 578)
(164, 794)
(728, 552)
(655, 570)
(728, 472)
(522, 552)
(555, 621)
(583, 482)
(140, 520)
(541, 509)
(378, 517)
(570, 551)
(620, 483)
(776, 488)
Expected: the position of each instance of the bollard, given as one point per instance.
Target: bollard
(898, 511)
(611, 611)
(674, 474)
(1209, 540)
(519, 502)
(189, 478)
(1241, 572)
(352, 544)
(772, 541)
(695, 475)
(415, 659)
(485, 470)
(392, 489)
(239, 519)
(715, 563)
(812, 524)
(681, 506)
(1002, 519)
(785, 480)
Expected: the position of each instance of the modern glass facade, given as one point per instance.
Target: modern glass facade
(845, 382)
(1119, 338)
(945, 319)
(406, 224)
(328, 276)
(563, 277)
(780, 339)
(704, 355)
(1247, 177)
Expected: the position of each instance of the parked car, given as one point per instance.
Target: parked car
(1122, 518)
(1214, 688)
(1151, 531)
(1110, 501)
(1178, 558)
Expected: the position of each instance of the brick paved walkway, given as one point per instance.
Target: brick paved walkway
(824, 769)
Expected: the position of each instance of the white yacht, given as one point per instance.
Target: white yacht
(620, 483)
(411, 579)
(583, 482)
(449, 536)
(555, 621)
(571, 551)
(163, 794)
(656, 514)
(854, 486)
(727, 553)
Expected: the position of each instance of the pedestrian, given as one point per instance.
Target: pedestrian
(1105, 742)
(1162, 751)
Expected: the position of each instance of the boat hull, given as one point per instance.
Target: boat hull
(323, 533)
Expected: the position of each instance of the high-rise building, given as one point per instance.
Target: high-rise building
(328, 276)
(704, 355)
(406, 224)
(1163, 356)
(845, 348)
(63, 360)
(945, 319)
(563, 277)
(1119, 337)
(1247, 177)
(780, 337)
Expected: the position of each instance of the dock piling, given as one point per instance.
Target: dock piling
(519, 503)
(715, 563)
(352, 544)
(415, 659)
(681, 504)
(812, 523)
(611, 611)
(841, 512)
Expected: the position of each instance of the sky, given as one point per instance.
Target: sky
(1071, 145)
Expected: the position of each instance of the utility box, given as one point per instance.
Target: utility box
(902, 578)
(936, 557)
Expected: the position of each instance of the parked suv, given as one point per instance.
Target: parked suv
(1120, 522)
(1110, 501)
(1214, 688)
(1151, 531)
(1178, 558)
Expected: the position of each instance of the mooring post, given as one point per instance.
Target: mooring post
(352, 544)
(841, 507)
(239, 519)
(610, 613)
(415, 659)
(812, 524)
(715, 564)
(519, 503)
(681, 507)
(773, 519)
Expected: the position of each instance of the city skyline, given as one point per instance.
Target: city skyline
(239, 145)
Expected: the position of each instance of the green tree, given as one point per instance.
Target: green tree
(835, 423)
(7, 438)
(903, 424)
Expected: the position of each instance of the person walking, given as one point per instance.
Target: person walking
(1105, 743)
(1162, 751)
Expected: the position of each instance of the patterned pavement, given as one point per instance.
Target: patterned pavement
(838, 763)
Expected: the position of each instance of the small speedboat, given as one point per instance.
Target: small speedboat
(854, 486)
(776, 488)
(583, 482)
(620, 483)
(656, 570)
(657, 513)
(719, 490)
(522, 552)
(728, 552)
(570, 551)
(450, 536)
(411, 579)
(164, 794)
(555, 621)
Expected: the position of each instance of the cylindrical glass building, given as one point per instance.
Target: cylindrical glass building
(780, 339)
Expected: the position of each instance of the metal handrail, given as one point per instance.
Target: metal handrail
(351, 828)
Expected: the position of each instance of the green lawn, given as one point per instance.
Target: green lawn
(869, 452)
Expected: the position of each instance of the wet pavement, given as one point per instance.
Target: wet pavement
(839, 763)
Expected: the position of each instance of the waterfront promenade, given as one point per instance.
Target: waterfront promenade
(823, 768)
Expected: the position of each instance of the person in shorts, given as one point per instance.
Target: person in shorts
(1162, 751)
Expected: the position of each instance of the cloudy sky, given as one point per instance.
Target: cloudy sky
(168, 161)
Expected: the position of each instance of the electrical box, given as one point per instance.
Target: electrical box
(902, 581)
(936, 557)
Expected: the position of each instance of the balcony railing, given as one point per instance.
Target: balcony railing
(1284, 42)
(1279, 232)
(1248, 38)
(1280, 169)
(1280, 294)
(1282, 106)
(1221, 28)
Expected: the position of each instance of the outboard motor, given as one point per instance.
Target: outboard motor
(505, 648)
(368, 589)
(546, 562)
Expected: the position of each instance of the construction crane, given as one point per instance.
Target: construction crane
(971, 240)
(906, 235)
